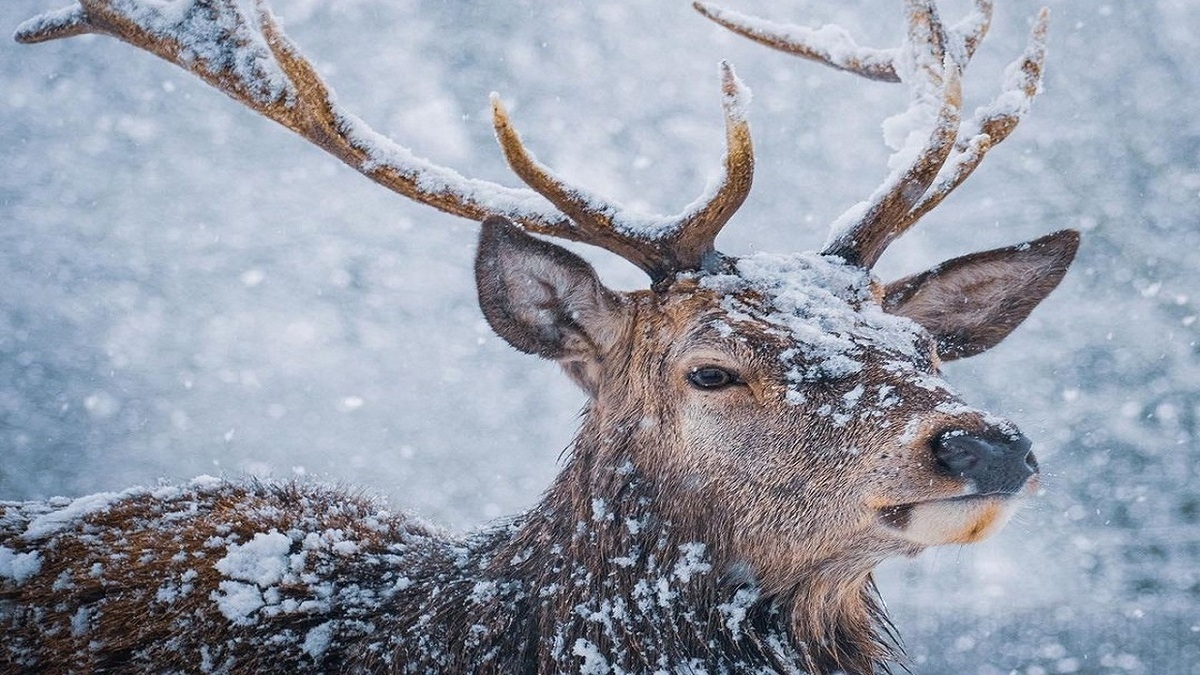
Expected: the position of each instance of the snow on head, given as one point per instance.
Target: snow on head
(821, 305)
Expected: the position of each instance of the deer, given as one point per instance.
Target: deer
(760, 431)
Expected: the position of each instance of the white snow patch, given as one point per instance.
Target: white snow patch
(263, 560)
(600, 510)
(594, 662)
(624, 561)
(345, 548)
(317, 641)
(483, 592)
(19, 566)
(81, 621)
(237, 600)
(692, 563)
(51, 523)
(734, 611)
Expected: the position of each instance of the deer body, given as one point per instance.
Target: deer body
(359, 590)
(761, 432)
(303, 579)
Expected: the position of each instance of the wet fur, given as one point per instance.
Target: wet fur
(409, 599)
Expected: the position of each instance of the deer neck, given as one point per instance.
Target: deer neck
(612, 562)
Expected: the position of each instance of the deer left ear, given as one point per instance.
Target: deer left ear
(971, 303)
(545, 300)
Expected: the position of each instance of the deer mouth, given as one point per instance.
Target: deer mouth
(954, 520)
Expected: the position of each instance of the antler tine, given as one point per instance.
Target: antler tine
(659, 246)
(700, 222)
(594, 217)
(992, 123)
(829, 45)
(834, 47)
(972, 29)
(930, 62)
(862, 233)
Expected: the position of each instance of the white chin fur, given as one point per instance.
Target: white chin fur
(957, 521)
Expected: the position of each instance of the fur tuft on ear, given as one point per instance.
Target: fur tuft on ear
(971, 303)
(543, 299)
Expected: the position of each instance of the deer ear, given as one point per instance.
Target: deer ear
(972, 303)
(543, 299)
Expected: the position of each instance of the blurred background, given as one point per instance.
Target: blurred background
(187, 289)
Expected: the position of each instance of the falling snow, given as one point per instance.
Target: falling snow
(189, 290)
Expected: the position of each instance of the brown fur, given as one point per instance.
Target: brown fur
(132, 587)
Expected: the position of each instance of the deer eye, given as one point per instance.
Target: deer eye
(712, 377)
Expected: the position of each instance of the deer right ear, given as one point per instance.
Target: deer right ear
(543, 299)
(971, 303)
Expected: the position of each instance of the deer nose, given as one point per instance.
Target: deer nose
(997, 464)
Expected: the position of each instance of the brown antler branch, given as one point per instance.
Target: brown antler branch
(239, 49)
(993, 123)
(663, 245)
(930, 62)
(863, 232)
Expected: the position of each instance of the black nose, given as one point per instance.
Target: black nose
(995, 464)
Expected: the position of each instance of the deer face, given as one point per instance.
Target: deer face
(816, 423)
(795, 397)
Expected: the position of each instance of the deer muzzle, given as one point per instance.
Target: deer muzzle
(996, 467)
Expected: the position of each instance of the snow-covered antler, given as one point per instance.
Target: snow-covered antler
(932, 157)
(237, 47)
(661, 246)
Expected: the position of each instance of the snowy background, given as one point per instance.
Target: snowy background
(186, 288)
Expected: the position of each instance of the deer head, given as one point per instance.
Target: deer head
(787, 409)
(794, 397)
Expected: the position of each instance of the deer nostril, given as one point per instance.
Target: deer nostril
(958, 453)
(995, 464)
(1031, 461)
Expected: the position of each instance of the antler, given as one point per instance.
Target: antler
(930, 61)
(238, 47)
(680, 242)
